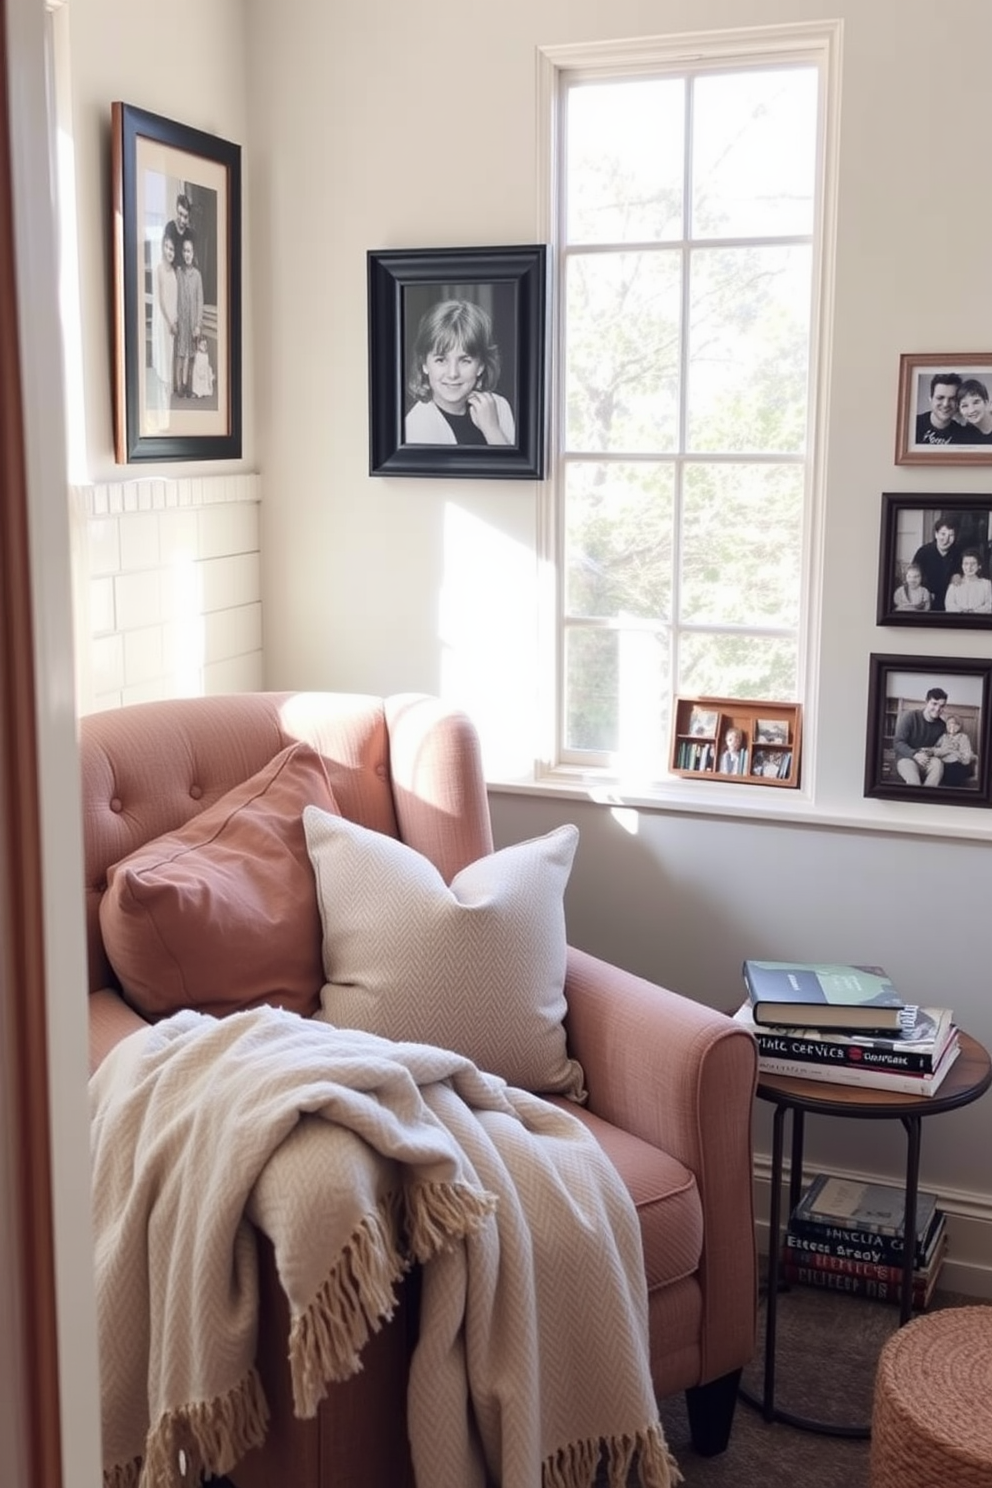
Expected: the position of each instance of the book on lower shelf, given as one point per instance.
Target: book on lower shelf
(859, 1286)
(795, 1252)
(866, 1206)
(819, 994)
(902, 1082)
(820, 1238)
(846, 1235)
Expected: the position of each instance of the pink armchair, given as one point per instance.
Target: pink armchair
(670, 1082)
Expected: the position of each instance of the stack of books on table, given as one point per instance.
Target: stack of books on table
(845, 1025)
(848, 1236)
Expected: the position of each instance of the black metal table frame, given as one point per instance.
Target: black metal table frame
(912, 1120)
(913, 1125)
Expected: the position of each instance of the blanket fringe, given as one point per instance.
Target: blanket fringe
(326, 1339)
(122, 1474)
(578, 1464)
(438, 1215)
(205, 1438)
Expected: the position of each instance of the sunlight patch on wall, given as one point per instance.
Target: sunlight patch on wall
(487, 631)
(643, 690)
(627, 818)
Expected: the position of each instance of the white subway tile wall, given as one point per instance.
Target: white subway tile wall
(168, 575)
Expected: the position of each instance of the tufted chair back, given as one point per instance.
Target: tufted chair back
(406, 765)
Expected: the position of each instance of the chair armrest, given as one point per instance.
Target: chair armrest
(682, 1077)
(110, 1021)
(651, 1058)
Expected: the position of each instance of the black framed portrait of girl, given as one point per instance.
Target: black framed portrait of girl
(456, 362)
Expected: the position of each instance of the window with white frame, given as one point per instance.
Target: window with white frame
(688, 217)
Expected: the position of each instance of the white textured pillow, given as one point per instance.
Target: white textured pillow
(478, 967)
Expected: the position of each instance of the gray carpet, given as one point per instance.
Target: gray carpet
(825, 1357)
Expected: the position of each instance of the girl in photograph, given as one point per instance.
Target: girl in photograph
(912, 593)
(454, 369)
(164, 309)
(954, 748)
(973, 407)
(189, 317)
(971, 594)
(203, 373)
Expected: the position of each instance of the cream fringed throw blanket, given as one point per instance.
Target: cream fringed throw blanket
(356, 1157)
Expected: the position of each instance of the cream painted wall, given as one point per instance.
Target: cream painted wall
(414, 124)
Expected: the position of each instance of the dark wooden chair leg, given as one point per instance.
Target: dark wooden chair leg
(711, 1413)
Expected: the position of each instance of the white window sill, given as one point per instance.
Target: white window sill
(756, 803)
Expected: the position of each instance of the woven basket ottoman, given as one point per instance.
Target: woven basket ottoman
(932, 1414)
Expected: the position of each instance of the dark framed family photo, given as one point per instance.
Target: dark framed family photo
(457, 362)
(177, 290)
(928, 729)
(944, 414)
(935, 561)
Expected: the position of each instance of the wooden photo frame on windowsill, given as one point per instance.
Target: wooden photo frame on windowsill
(749, 741)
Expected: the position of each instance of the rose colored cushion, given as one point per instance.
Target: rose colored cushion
(221, 914)
(478, 967)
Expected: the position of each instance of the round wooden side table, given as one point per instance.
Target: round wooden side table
(968, 1078)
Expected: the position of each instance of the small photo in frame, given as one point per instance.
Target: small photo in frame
(772, 764)
(944, 414)
(457, 362)
(771, 731)
(703, 722)
(177, 290)
(928, 729)
(935, 561)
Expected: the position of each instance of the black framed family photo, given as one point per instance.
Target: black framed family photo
(928, 729)
(177, 290)
(457, 362)
(935, 561)
(944, 414)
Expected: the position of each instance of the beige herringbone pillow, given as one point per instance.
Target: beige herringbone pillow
(478, 967)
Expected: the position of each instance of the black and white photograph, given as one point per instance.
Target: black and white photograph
(945, 409)
(456, 362)
(772, 764)
(928, 729)
(771, 731)
(935, 561)
(177, 265)
(702, 722)
(460, 387)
